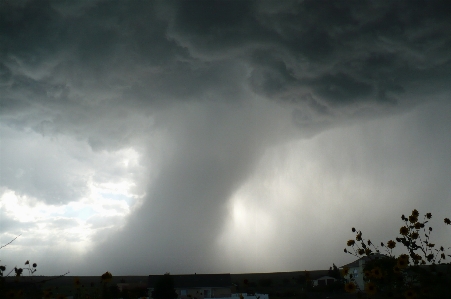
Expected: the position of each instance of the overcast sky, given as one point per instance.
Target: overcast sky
(142, 137)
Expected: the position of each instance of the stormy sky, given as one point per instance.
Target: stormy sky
(143, 137)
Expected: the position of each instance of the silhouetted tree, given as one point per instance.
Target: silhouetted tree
(334, 272)
(164, 288)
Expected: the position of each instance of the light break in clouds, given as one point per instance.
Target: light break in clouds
(142, 137)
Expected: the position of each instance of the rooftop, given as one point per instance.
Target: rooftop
(196, 280)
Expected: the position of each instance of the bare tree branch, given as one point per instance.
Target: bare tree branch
(10, 242)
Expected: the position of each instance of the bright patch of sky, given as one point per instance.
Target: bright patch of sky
(107, 180)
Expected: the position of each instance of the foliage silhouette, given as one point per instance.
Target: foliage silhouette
(420, 273)
(21, 288)
(164, 288)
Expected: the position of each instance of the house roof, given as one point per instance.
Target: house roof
(52, 281)
(315, 274)
(366, 258)
(196, 280)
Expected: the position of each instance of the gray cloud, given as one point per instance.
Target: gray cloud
(338, 53)
(202, 91)
(47, 178)
(10, 225)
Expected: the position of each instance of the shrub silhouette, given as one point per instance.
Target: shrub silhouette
(164, 288)
(18, 288)
(421, 272)
(31, 289)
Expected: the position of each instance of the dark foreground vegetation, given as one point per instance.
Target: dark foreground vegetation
(422, 271)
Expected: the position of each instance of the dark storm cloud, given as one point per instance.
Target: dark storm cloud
(114, 74)
(340, 53)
